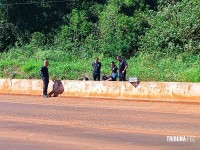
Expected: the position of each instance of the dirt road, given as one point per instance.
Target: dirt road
(31, 122)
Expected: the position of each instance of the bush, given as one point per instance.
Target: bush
(174, 30)
(38, 39)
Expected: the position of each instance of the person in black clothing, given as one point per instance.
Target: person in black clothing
(96, 65)
(44, 73)
(123, 65)
(113, 73)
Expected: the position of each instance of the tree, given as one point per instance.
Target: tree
(119, 33)
(36, 16)
(174, 29)
(8, 35)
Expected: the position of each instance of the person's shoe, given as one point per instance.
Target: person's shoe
(45, 96)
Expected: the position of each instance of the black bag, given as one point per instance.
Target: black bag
(104, 77)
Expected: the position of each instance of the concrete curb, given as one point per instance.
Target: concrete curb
(162, 91)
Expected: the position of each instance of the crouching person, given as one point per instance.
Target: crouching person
(44, 73)
(113, 74)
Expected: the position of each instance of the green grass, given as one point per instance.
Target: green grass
(178, 69)
(24, 63)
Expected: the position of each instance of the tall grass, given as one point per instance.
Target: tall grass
(25, 63)
(178, 69)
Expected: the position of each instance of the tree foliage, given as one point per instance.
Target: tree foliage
(111, 27)
(8, 35)
(174, 29)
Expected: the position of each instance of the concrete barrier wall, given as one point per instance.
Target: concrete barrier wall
(5, 85)
(168, 91)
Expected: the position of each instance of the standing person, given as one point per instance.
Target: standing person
(96, 65)
(123, 65)
(44, 73)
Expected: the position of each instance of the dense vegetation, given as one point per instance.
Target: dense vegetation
(159, 38)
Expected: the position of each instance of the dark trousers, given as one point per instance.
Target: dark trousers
(122, 76)
(96, 76)
(45, 84)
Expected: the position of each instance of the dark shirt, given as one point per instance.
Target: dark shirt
(44, 72)
(122, 65)
(114, 69)
(114, 73)
(96, 67)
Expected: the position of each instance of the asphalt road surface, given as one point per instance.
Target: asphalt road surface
(35, 123)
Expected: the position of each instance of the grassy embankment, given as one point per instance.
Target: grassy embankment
(25, 64)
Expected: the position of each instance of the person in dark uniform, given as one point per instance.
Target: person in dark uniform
(96, 65)
(44, 73)
(123, 65)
